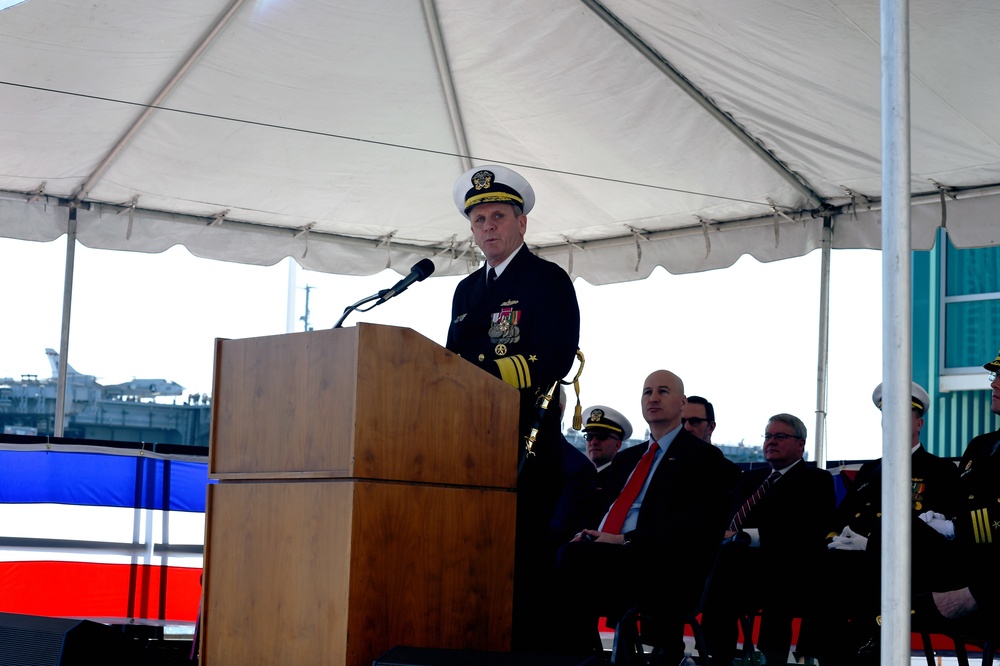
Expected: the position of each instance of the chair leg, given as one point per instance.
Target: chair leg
(699, 641)
(746, 626)
(961, 654)
(626, 650)
(928, 647)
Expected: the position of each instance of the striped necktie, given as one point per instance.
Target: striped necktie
(751, 502)
(619, 510)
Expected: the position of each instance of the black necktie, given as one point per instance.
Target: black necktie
(491, 277)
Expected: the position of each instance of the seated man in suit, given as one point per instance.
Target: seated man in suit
(656, 542)
(698, 416)
(840, 624)
(778, 520)
(604, 429)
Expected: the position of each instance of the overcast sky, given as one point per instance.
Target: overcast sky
(743, 337)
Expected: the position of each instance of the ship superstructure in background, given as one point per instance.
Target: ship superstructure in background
(137, 388)
(124, 412)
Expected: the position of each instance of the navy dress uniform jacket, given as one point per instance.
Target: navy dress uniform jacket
(977, 523)
(935, 488)
(525, 329)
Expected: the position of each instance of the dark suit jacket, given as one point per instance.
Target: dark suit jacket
(684, 511)
(792, 516)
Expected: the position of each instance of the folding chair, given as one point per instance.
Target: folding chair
(960, 642)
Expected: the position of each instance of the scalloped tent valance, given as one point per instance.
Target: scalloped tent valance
(678, 133)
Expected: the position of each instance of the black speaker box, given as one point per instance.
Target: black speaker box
(414, 656)
(33, 640)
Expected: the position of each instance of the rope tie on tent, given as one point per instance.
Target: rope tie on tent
(456, 254)
(218, 218)
(638, 247)
(386, 241)
(450, 247)
(572, 246)
(39, 193)
(778, 214)
(130, 209)
(704, 230)
(854, 201)
(945, 192)
(304, 231)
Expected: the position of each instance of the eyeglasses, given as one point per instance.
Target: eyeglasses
(599, 436)
(992, 376)
(780, 437)
(695, 421)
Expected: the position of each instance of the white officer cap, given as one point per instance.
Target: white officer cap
(600, 417)
(492, 183)
(918, 397)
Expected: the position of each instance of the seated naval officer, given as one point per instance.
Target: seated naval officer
(969, 601)
(517, 318)
(604, 429)
(839, 624)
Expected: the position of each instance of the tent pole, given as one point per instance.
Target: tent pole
(290, 307)
(896, 334)
(823, 354)
(64, 332)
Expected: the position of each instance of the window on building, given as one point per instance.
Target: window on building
(970, 309)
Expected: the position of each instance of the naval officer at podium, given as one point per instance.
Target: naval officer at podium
(517, 318)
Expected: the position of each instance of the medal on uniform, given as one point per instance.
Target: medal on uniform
(918, 493)
(504, 329)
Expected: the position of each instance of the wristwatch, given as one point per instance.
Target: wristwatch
(627, 538)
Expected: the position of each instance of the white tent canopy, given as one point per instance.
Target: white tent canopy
(674, 133)
(679, 133)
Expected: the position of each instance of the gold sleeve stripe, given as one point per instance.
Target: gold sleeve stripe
(514, 371)
(981, 526)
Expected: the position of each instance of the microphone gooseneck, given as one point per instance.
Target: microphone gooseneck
(420, 271)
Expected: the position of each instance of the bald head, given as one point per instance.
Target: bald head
(662, 400)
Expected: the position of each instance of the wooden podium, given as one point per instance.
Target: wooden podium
(365, 499)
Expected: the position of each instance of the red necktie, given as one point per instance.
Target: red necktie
(741, 515)
(619, 510)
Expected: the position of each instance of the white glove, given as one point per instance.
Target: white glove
(942, 525)
(848, 540)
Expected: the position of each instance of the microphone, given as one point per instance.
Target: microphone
(420, 271)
